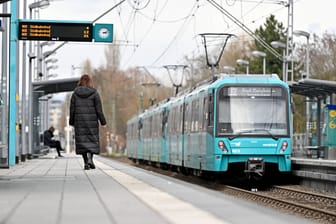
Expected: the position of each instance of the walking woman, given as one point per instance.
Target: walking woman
(85, 111)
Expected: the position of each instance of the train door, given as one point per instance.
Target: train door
(187, 135)
(195, 134)
(173, 146)
(209, 149)
(155, 138)
(140, 140)
(164, 139)
(180, 132)
(201, 130)
(147, 141)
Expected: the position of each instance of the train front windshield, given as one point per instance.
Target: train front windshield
(252, 111)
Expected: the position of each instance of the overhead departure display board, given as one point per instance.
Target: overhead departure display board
(55, 31)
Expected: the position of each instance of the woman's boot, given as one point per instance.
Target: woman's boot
(86, 164)
(90, 160)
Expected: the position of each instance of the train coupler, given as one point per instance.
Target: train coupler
(255, 165)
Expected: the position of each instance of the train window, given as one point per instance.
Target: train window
(205, 113)
(194, 116)
(154, 126)
(200, 114)
(186, 118)
(239, 110)
(158, 125)
(150, 126)
(146, 128)
(210, 110)
(164, 118)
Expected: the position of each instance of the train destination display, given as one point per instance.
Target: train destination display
(55, 31)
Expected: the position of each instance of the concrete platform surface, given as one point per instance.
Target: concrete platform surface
(51, 190)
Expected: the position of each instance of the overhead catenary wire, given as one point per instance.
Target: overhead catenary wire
(246, 29)
(95, 20)
(180, 30)
(146, 33)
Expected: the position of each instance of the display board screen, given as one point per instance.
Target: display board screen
(55, 31)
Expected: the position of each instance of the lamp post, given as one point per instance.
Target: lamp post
(49, 64)
(39, 4)
(281, 45)
(43, 56)
(3, 81)
(51, 60)
(245, 63)
(306, 34)
(31, 55)
(263, 55)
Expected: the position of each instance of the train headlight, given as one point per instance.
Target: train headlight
(221, 145)
(283, 146)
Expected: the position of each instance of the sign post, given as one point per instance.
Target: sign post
(55, 31)
(44, 30)
(12, 85)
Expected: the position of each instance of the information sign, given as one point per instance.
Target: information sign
(55, 31)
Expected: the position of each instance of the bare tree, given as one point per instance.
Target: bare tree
(112, 56)
(322, 56)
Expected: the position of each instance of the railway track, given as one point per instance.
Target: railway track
(310, 205)
(292, 199)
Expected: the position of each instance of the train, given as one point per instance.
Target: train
(233, 123)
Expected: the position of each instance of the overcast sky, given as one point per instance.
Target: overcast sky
(160, 32)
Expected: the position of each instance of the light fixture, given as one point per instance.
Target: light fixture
(40, 4)
(301, 33)
(47, 43)
(229, 69)
(51, 60)
(279, 44)
(245, 63)
(52, 67)
(307, 35)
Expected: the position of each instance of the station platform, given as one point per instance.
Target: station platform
(319, 174)
(59, 191)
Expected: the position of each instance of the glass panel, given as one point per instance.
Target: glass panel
(259, 112)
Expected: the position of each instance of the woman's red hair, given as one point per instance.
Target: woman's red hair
(85, 80)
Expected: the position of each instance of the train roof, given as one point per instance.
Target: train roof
(214, 82)
(221, 79)
(250, 79)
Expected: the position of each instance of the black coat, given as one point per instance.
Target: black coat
(47, 137)
(85, 111)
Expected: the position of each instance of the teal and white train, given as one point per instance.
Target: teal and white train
(238, 123)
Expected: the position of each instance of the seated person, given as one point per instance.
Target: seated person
(47, 139)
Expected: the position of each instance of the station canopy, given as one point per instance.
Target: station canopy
(313, 88)
(56, 85)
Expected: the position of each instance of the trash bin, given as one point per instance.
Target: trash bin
(323, 152)
(312, 151)
(332, 153)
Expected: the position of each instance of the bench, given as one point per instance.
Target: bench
(316, 152)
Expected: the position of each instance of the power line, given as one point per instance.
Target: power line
(246, 29)
(95, 20)
(192, 12)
